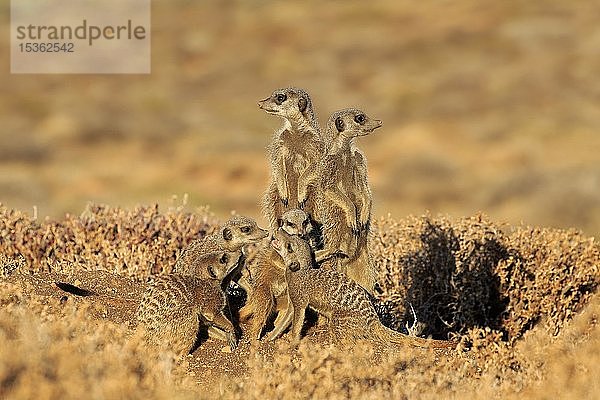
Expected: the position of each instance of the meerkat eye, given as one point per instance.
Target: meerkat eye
(289, 248)
(339, 124)
(245, 229)
(360, 119)
(280, 98)
(288, 223)
(224, 259)
(211, 272)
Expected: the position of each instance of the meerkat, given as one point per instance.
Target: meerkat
(215, 265)
(335, 296)
(268, 282)
(232, 236)
(175, 306)
(295, 146)
(342, 186)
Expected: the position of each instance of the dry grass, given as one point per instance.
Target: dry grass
(523, 301)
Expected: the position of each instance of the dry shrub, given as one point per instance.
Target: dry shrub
(509, 294)
(470, 277)
(133, 242)
(338, 372)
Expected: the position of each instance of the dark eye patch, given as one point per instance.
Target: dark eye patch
(280, 98)
(211, 272)
(360, 119)
(289, 248)
(245, 229)
(224, 259)
(339, 124)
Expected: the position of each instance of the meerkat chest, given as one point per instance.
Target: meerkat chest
(278, 285)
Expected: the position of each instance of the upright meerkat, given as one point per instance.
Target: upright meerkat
(295, 145)
(175, 306)
(269, 289)
(344, 204)
(335, 296)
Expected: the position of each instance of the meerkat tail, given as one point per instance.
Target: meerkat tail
(389, 335)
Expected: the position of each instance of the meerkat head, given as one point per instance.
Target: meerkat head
(240, 231)
(295, 251)
(296, 222)
(350, 123)
(292, 104)
(218, 265)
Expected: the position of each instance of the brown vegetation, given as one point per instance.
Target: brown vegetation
(523, 302)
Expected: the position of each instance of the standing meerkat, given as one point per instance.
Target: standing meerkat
(335, 296)
(344, 196)
(295, 146)
(269, 289)
(175, 307)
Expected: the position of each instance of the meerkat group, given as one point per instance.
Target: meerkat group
(318, 205)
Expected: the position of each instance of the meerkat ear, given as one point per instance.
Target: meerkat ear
(294, 266)
(227, 235)
(302, 104)
(211, 272)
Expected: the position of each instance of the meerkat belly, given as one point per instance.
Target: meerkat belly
(278, 286)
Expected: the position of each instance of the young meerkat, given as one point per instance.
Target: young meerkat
(231, 237)
(269, 289)
(344, 196)
(295, 146)
(175, 307)
(335, 296)
(215, 265)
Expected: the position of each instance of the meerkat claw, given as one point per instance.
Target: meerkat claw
(232, 340)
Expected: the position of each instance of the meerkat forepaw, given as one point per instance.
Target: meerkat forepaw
(301, 204)
(366, 226)
(232, 340)
(285, 201)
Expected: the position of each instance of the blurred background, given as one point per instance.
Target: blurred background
(489, 106)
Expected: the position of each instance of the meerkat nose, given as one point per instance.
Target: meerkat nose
(262, 102)
(275, 243)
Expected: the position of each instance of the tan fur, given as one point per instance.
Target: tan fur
(344, 196)
(269, 289)
(215, 265)
(335, 296)
(295, 146)
(231, 237)
(174, 307)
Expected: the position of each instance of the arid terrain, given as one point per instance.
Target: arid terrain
(522, 302)
(488, 107)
